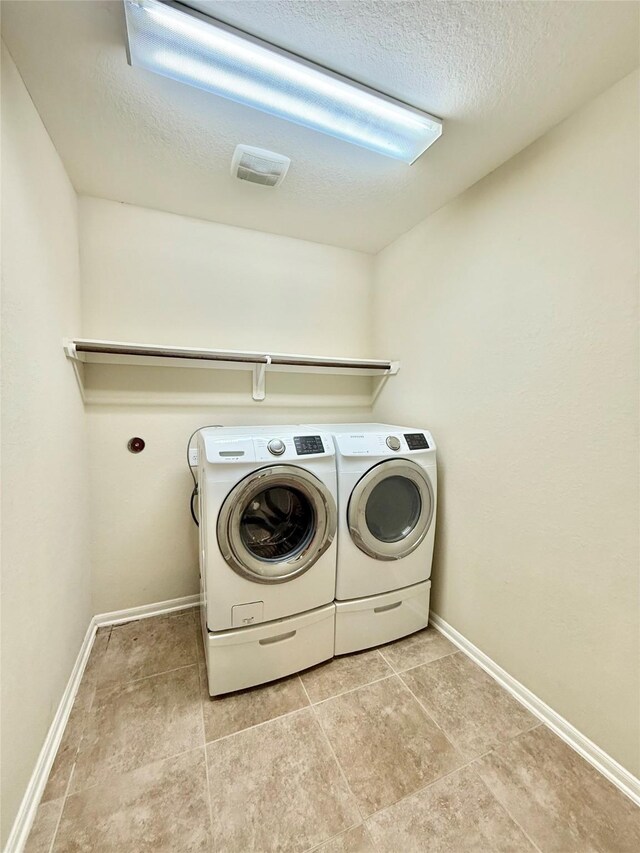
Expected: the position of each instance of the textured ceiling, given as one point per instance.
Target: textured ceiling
(498, 73)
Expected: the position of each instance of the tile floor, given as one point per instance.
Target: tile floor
(407, 748)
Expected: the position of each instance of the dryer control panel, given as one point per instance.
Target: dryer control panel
(384, 443)
(416, 441)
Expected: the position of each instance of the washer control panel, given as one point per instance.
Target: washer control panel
(416, 441)
(306, 444)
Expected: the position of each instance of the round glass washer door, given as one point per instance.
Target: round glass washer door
(276, 523)
(391, 509)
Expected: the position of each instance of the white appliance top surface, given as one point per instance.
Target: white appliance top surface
(273, 429)
(365, 427)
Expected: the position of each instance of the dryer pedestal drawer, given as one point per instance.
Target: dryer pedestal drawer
(245, 657)
(366, 622)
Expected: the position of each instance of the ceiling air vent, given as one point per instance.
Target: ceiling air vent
(259, 166)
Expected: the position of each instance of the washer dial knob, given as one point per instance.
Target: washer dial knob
(276, 447)
(393, 443)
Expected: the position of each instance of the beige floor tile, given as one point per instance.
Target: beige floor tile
(138, 723)
(160, 807)
(385, 742)
(422, 647)
(44, 827)
(561, 802)
(474, 712)
(148, 647)
(277, 787)
(457, 814)
(356, 840)
(344, 673)
(234, 712)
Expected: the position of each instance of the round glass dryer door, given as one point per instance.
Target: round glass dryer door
(276, 523)
(391, 509)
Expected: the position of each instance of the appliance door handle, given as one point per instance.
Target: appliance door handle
(385, 607)
(280, 637)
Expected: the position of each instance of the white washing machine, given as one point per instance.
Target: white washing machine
(387, 494)
(267, 505)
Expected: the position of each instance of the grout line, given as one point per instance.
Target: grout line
(206, 760)
(450, 737)
(145, 677)
(64, 802)
(507, 811)
(427, 662)
(308, 707)
(446, 735)
(335, 758)
(422, 663)
(317, 847)
(113, 775)
(305, 690)
(424, 787)
(388, 663)
(353, 689)
(257, 725)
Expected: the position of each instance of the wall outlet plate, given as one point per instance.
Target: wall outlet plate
(193, 457)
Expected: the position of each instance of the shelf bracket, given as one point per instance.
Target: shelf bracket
(394, 367)
(72, 355)
(259, 379)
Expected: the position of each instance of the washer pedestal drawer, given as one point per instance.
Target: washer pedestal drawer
(377, 619)
(245, 657)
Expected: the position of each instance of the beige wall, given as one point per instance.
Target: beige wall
(159, 278)
(45, 572)
(514, 312)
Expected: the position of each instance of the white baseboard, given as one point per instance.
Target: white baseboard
(604, 763)
(118, 617)
(31, 799)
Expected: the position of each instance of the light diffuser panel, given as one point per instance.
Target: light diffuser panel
(173, 41)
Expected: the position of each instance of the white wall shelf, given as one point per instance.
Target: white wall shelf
(92, 351)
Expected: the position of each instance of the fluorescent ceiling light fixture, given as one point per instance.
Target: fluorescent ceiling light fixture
(174, 41)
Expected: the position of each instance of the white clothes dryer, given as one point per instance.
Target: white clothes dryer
(387, 497)
(267, 504)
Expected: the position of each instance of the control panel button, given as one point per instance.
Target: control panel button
(276, 446)
(306, 444)
(416, 441)
(393, 443)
